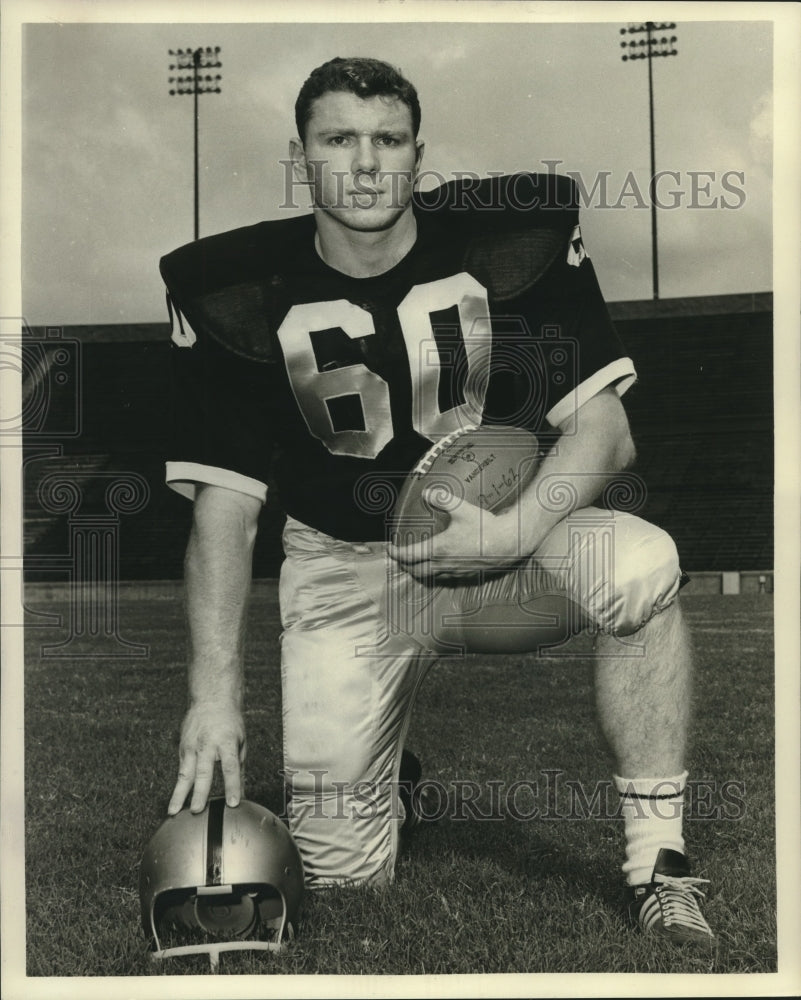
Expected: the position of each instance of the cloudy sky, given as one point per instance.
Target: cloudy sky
(107, 154)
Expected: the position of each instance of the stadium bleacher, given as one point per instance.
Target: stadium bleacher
(702, 419)
(701, 415)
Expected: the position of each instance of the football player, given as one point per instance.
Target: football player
(328, 352)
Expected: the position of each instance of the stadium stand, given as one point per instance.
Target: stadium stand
(96, 407)
(702, 418)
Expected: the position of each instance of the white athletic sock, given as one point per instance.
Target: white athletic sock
(652, 811)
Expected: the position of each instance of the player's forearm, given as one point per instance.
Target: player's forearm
(595, 445)
(217, 574)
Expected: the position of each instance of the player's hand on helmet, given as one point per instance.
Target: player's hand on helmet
(474, 541)
(210, 732)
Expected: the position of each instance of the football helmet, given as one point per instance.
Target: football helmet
(226, 879)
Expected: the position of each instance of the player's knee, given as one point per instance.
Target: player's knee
(644, 580)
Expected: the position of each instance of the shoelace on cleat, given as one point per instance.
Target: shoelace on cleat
(678, 900)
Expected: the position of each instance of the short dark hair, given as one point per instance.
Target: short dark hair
(363, 77)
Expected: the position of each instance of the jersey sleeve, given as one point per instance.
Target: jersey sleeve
(579, 345)
(220, 432)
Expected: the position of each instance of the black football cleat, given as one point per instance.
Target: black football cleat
(409, 792)
(668, 904)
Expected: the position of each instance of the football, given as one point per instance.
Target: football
(486, 466)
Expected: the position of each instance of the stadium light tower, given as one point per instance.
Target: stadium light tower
(651, 47)
(191, 62)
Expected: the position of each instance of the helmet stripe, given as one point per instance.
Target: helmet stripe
(214, 832)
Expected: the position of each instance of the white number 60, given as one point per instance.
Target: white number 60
(314, 388)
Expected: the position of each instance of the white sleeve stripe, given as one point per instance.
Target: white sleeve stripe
(183, 477)
(181, 332)
(620, 372)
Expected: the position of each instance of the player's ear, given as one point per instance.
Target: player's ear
(418, 159)
(297, 156)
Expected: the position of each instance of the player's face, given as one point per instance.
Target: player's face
(360, 159)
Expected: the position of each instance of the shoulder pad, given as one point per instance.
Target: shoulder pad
(229, 286)
(513, 226)
(508, 201)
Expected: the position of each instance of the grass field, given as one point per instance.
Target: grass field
(480, 893)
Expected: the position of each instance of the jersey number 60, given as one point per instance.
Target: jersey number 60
(314, 389)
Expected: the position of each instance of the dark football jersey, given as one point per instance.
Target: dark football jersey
(333, 386)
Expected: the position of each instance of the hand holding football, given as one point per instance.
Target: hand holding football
(441, 531)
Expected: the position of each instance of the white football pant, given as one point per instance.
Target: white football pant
(360, 634)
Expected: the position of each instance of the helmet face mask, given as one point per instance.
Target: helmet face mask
(222, 880)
